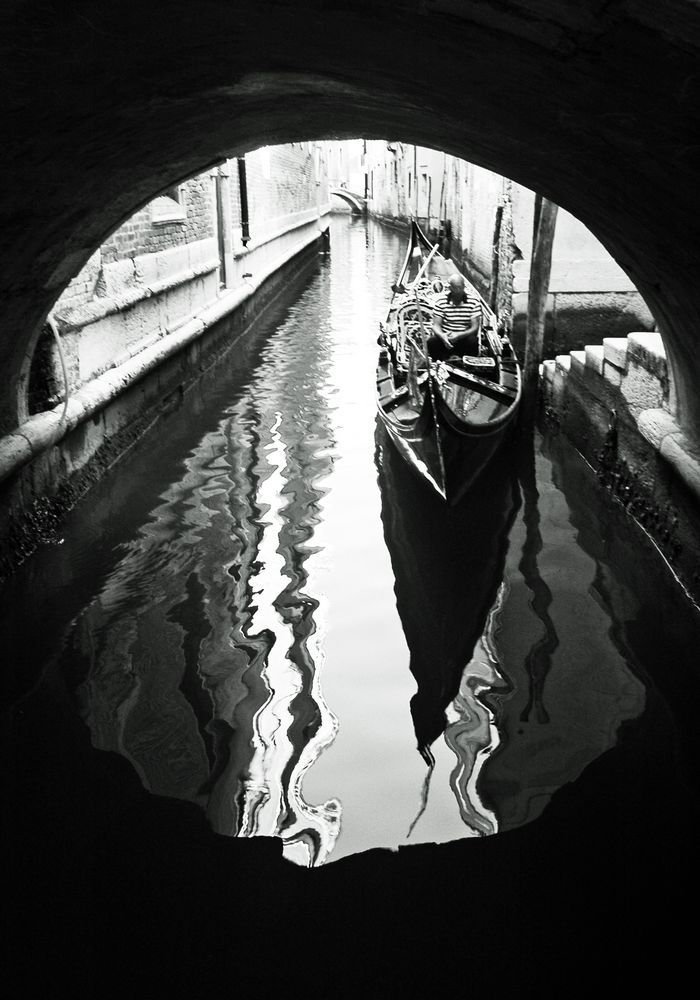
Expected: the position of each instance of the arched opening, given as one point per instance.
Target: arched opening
(148, 279)
(521, 111)
(353, 201)
(480, 218)
(173, 656)
(593, 104)
(153, 653)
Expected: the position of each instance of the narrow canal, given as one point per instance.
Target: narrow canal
(265, 614)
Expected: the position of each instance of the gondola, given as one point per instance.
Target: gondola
(446, 418)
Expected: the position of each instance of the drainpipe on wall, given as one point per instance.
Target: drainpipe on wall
(243, 192)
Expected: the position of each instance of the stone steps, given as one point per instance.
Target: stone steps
(630, 376)
(634, 367)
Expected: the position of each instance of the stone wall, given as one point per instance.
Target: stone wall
(140, 298)
(152, 272)
(282, 181)
(183, 216)
(483, 193)
(504, 255)
(152, 300)
(53, 458)
(615, 402)
(164, 263)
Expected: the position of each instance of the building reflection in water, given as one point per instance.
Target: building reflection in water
(523, 709)
(572, 685)
(199, 668)
(471, 732)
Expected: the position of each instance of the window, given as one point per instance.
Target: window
(168, 207)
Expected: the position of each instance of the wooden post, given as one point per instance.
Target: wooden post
(540, 269)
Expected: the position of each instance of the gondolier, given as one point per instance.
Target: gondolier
(456, 322)
(446, 418)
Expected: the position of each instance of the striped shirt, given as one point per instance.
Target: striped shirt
(456, 317)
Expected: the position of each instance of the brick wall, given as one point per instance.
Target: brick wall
(143, 233)
(281, 182)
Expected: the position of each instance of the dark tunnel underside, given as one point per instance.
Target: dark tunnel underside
(595, 105)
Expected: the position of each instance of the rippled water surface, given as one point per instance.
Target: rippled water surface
(265, 614)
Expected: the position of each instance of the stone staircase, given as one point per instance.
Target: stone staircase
(630, 371)
(615, 402)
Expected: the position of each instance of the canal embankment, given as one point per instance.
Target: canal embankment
(137, 330)
(615, 402)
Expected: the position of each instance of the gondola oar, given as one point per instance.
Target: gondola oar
(425, 263)
(431, 393)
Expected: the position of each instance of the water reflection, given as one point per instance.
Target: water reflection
(486, 632)
(448, 564)
(249, 650)
(571, 687)
(539, 658)
(471, 733)
(202, 649)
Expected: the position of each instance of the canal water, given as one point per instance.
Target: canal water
(265, 614)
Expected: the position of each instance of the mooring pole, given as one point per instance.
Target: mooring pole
(540, 270)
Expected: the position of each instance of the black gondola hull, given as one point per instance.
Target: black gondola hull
(449, 424)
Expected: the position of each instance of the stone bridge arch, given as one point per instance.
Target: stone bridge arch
(356, 202)
(593, 104)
